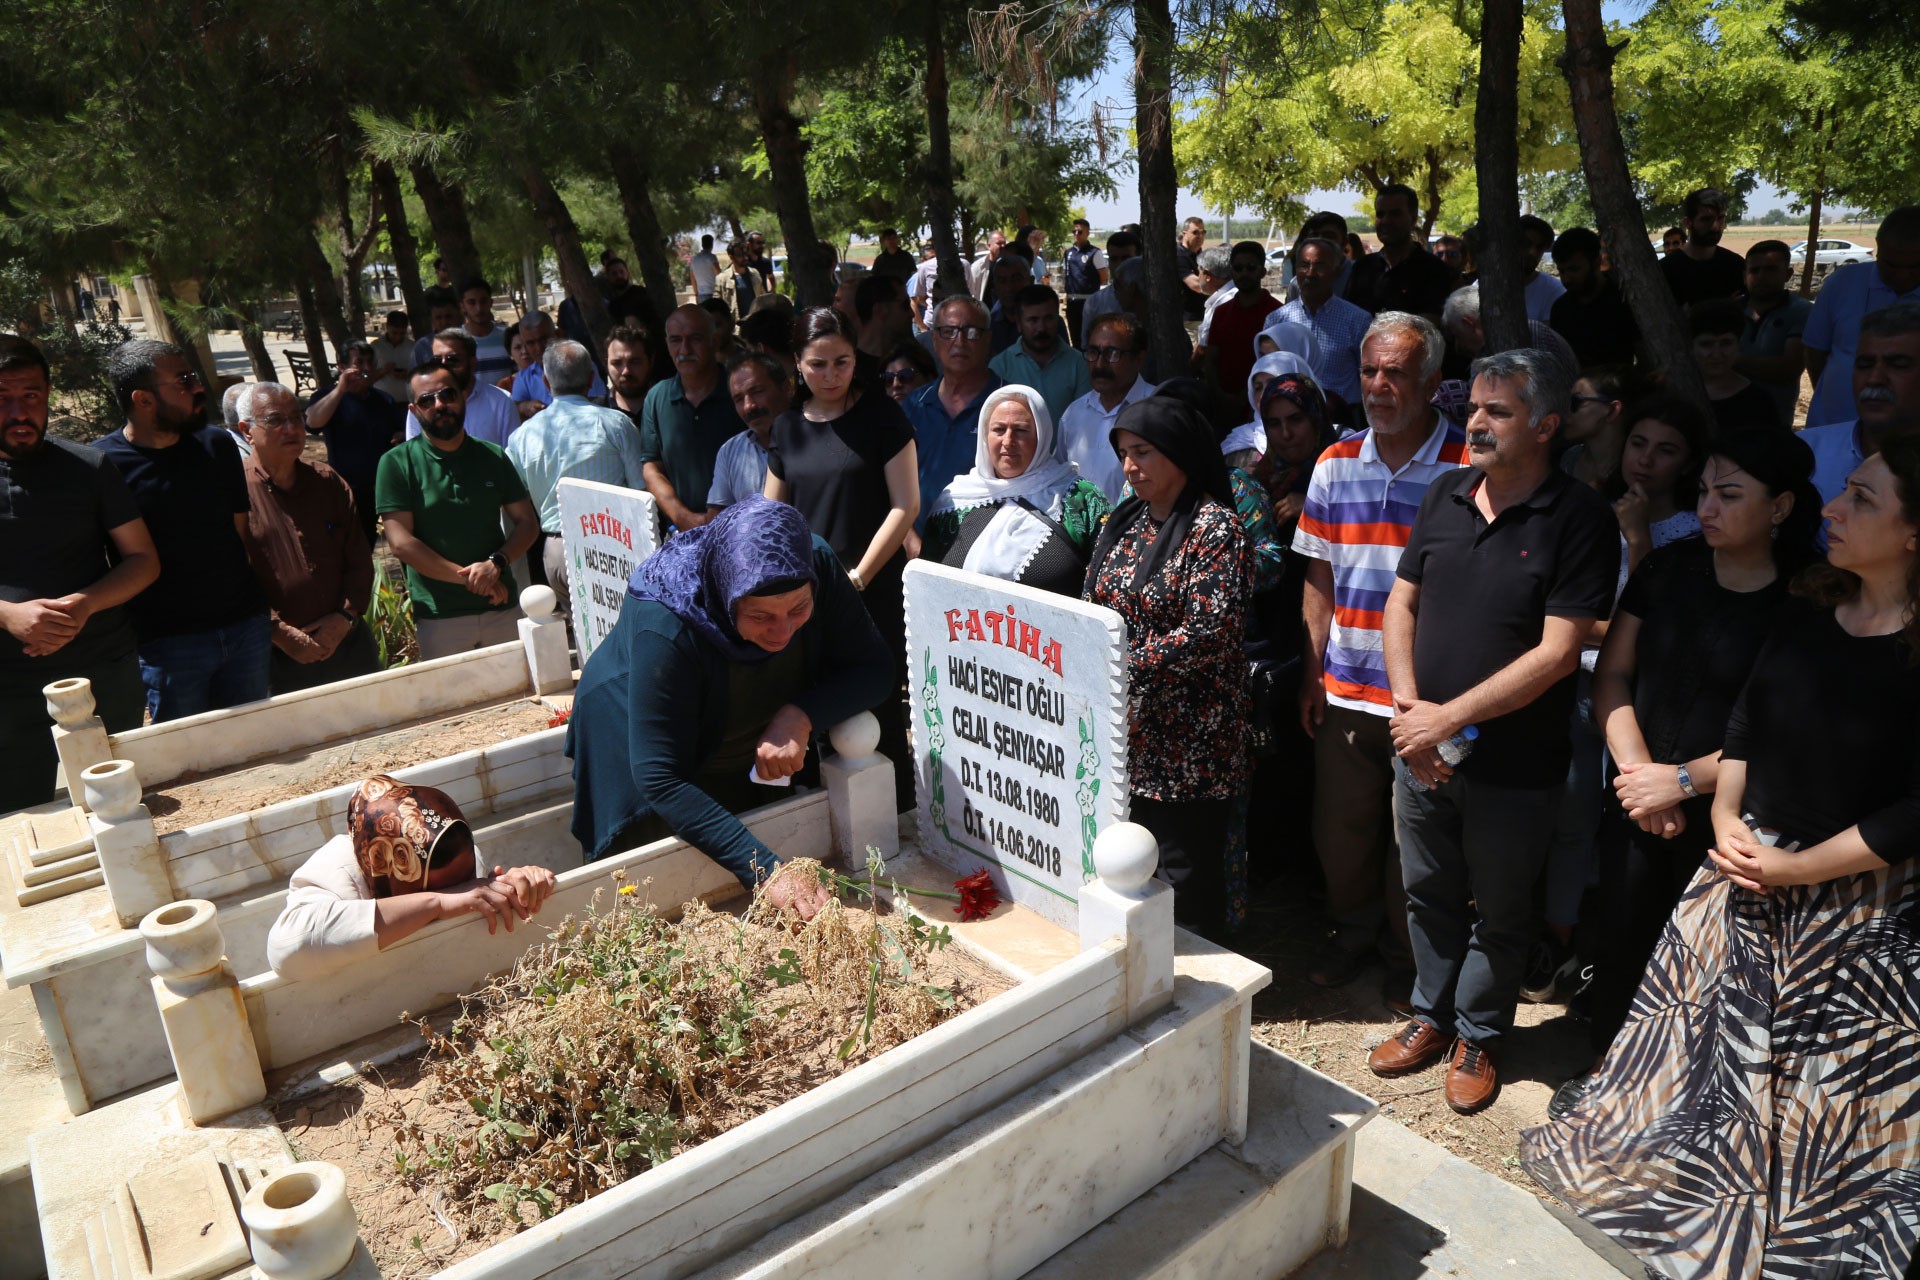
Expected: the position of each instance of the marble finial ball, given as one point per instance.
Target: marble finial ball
(1126, 856)
(538, 602)
(856, 737)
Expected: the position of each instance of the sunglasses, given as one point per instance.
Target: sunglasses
(899, 375)
(1107, 355)
(446, 395)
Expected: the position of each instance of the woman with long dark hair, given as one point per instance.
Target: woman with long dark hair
(1659, 475)
(1755, 1116)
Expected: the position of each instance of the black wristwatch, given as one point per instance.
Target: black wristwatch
(498, 561)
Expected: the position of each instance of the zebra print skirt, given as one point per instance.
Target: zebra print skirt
(1759, 1114)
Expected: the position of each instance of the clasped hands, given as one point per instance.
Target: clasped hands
(509, 892)
(46, 626)
(482, 577)
(1418, 729)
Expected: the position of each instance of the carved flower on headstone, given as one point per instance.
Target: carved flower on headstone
(1084, 798)
(937, 815)
(936, 739)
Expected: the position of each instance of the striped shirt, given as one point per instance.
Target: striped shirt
(1356, 518)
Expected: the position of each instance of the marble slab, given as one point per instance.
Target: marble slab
(1019, 717)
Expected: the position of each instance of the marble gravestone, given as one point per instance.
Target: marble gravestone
(609, 531)
(1019, 731)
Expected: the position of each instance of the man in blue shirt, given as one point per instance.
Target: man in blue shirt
(946, 414)
(1041, 359)
(1849, 295)
(530, 393)
(1886, 384)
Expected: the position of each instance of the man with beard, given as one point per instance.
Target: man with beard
(1041, 359)
(204, 634)
(1506, 568)
(1702, 269)
(443, 494)
(443, 313)
(685, 421)
(1360, 503)
(359, 423)
(762, 389)
(492, 361)
(1116, 355)
(1007, 278)
(491, 414)
(1886, 386)
(629, 370)
(626, 301)
(64, 514)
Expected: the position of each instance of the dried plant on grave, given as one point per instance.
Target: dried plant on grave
(626, 1038)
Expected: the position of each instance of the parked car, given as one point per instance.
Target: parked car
(1276, 256)
(1832, 253)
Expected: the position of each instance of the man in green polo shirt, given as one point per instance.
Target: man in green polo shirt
(443, 494)
(685, 421)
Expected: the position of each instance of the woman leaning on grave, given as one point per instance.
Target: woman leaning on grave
(1172, 560)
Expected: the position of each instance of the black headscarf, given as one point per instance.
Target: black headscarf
(1181, 434)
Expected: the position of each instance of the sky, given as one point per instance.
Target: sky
(1113, 86)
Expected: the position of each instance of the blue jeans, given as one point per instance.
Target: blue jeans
(206, 670)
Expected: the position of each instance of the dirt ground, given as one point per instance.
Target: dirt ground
(194, 799)
(1333, 1030)
(417, 1231)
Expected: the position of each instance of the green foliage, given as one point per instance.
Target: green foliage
(84, 407)
(390, 615)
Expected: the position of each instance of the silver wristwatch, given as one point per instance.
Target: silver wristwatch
(1685, 780)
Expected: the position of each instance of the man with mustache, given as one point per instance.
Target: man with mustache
(762, 390)
(1116, 355)
(1507, 566)
(1850, 294)
(1361, 500)
(64, 511)
(205, 636)
(685, 421)
(490, 412)
(443, 494)
(1886, 388)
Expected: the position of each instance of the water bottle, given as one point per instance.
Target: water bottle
(1453, 751)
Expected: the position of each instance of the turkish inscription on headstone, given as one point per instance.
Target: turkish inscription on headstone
(609, 531)
(1019, 731)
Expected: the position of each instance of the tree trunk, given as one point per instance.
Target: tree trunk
(1496, 123)
(643, 228)
(807, 265)
(1159, 187)
(575, 274)
(406, 258)
(446, 208)
(354, 247)
(255, 342)
(1437, 174)
(65, 310)
(969, 234)
(1588, 64)
(939, 151)
(310, 323)
(1813, 235)
(326, 296)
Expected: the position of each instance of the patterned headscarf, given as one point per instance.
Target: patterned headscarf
(395, 828)
(703, 572)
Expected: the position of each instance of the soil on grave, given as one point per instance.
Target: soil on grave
(197, 798)
(416, 1226)
(1333, 1030)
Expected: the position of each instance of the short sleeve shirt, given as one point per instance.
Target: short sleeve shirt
(835, 471)
(685, 438)
(360, 430)
(455, 499)
(55, 513)
(1486, 590)
(1724, 275)
(189, 494)
(1420, 284)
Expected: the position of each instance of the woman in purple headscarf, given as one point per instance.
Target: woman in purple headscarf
(738, 641)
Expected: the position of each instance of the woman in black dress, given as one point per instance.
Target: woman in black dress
(1756, 1114)
(844, 457)
(1679, 649)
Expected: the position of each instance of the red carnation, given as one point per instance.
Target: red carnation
(560, 717)
(978, 897)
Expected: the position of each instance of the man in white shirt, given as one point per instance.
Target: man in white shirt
(980, 270)
(1116, 353)
(491, 415)
(704, 267)
(1542, 290)
(393, 357)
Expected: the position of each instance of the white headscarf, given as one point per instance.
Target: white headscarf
(1011, 539)
(1253, 435)
(1290, 335)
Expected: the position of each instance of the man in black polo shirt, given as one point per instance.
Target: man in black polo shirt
(1505, 569)
(73, 550)
(1401, 275)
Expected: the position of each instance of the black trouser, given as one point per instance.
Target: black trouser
(1075, 308)
(1641, 879)
(29, 764)
(886, 605)
(363, 508)
(1193, 838)
(357, 655)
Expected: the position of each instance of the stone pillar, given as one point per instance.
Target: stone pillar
(201, 1010)
(1127, 902)
(544, 634)
(79, 735)
(131, 860)
(859, 784)
(301, 1222)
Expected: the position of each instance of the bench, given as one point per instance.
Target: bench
(300, 365)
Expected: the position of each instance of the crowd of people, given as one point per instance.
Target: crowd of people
(1566, 687)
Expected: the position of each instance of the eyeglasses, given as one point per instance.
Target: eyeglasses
(281, 421)
(1107, 355)
(1580, 400)
(955, 332)
(189, 380)
(899, 375)
(446, 395)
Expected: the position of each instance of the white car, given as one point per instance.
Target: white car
(1832, 253)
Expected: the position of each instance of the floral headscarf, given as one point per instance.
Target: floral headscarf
(395, 828)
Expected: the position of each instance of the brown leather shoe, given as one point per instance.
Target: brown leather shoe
(1414, 1047)
(1471, 1080)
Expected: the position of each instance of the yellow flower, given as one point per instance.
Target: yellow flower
(628, 890)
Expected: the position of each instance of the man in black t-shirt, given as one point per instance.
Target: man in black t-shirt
(73, 551)
(1506, 567)
(1702, 270)
(892, 260)
(1592, 315)
(1186, 255)
(1400, 275)
(205, 636)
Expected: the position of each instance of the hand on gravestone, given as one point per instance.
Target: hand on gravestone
(783, 747)
(530, 887)
(484, 897)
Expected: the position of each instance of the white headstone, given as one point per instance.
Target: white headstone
(609, 531)
(1019, 731)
